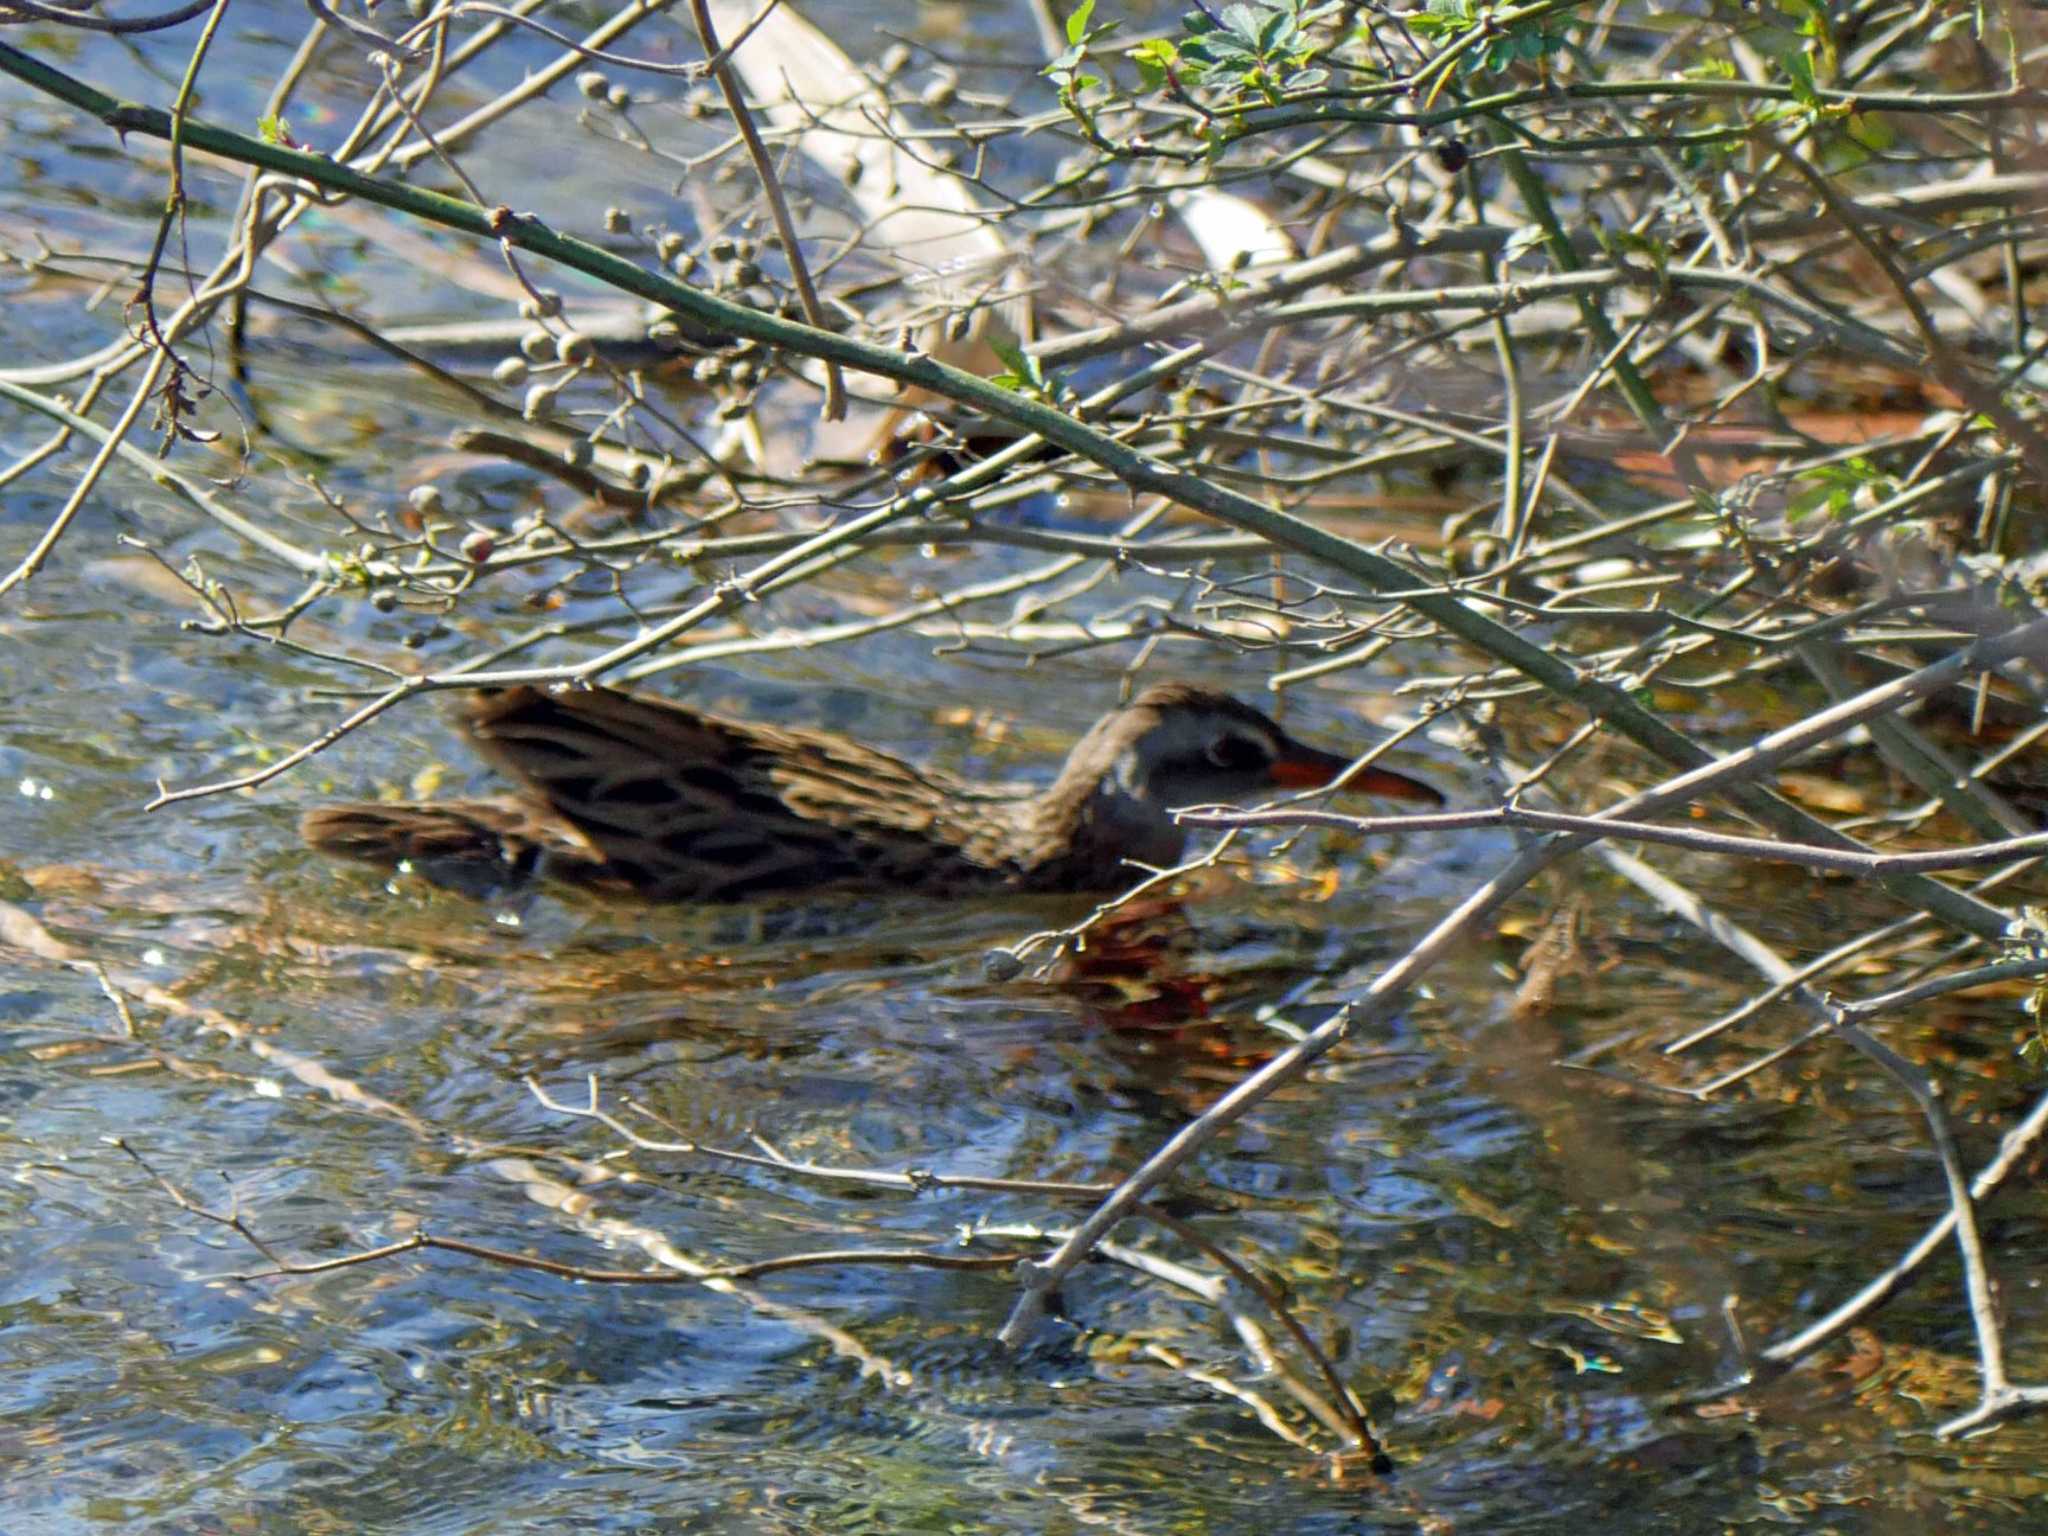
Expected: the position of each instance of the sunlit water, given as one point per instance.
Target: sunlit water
(1520, 1271)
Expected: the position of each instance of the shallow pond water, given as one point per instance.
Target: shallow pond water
(1532, 1278)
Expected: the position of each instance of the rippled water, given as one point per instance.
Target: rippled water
(1520, 1271)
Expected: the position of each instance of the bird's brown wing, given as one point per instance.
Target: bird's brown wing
(692, 807)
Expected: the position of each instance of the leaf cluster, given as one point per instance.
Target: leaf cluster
(1525, 42)
(1262, 49)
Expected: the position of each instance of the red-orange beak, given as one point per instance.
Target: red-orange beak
(1306, 768)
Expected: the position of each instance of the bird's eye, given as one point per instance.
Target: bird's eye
(1236, 754)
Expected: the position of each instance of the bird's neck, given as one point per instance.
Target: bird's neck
(1093, 828)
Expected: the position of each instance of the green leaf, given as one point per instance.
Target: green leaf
(1077, 24)
(1798, 70)
(1837, 487)
(1253, 46)
(1444, 20)
(1811, 501)
(1819, 26)
(1155, 58)
(1872, 130)
(1025, 375)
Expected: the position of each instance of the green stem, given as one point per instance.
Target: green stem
(1536, 198)
(1613, 705)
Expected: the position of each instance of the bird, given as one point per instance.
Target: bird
(630, 794)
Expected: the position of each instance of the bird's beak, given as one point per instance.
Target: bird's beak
(1307, 768)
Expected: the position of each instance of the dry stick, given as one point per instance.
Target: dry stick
(1258, 1406)
(1039, 1280)
(23, 931)
(1345, 1419)
(1982, 398)
(771, 188)
(543, 460)
(1979, 807)
(1682, 903)
(1006, 962)
(505, 1257)
(535, 83)
(1213, 1291)
(1900, 932)
(113, 440)
(2018, 1143)
(583, 50)
(69, 18)
(1349, 1417)
(1984, 767)
(422, 1241)
(1139, 470)
(1123, 548)
(1342, 1420)
(25, 463)
(1939, 986)
(216, 600)
(1402, 244)
(907, 616)
(1693, 839)
(363, 33)
(174, 207)
(1926, 1092)
(186, 487)
(914, 1182)
(1998, 1394)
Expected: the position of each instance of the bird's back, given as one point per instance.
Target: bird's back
(685, 806)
